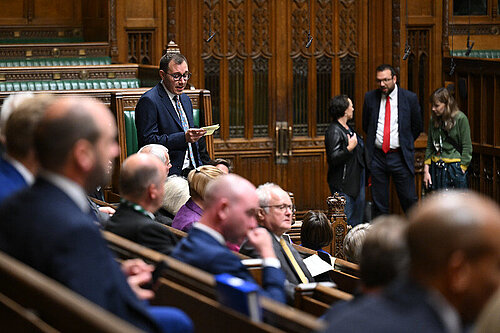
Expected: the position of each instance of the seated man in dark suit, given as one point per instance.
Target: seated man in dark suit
(275, 215)
(51, 228)
(454, 269)
(231, 205)
(142, 186)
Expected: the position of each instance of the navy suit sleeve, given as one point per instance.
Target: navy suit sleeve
(90, 273)
(417, 125)
(366, 114)
(146, 122)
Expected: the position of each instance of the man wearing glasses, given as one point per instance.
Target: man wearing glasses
(275, 215)
(392, 121)
(164, 115)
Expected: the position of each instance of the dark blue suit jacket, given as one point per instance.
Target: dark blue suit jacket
(11, 180)
(42, 227)
(409, 122)
(201, 250)
(402, 308)
(157, 122)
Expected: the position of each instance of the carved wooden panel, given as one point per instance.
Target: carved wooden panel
(140, 46)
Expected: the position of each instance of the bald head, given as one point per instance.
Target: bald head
(453, 240)
(231, 206)
(77, 138)
(138, 174)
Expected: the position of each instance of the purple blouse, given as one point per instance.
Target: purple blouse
(187, 215)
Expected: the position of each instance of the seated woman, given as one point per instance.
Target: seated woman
(192, 210)
(316, 233)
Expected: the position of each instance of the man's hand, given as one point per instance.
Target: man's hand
(194, 134)
(260, 239)
(108, 210)
(138, 273)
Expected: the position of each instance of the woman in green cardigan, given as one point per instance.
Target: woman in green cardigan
(449, 147)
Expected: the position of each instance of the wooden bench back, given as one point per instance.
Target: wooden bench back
(278, 315)
(30, 301)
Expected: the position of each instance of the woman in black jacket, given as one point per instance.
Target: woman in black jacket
(346, 162)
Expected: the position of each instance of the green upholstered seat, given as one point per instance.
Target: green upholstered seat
(69, 61)
(491, 54)
(130, 132)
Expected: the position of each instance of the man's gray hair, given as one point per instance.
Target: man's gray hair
(176, 194)
(353, 242)
(264, 192)
(155, 149)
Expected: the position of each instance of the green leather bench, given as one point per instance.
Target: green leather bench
(489, 54)
(69, 85)
(37, 62)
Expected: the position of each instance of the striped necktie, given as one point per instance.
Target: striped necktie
(185, 127)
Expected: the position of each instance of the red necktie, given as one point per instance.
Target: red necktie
(386, 143)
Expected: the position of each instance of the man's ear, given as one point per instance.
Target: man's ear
(222, 209)
(152, 191)
(84, 155)
(459, 272)
(260, 214)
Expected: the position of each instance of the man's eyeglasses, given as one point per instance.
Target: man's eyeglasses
(386, 80)
(282, 207)
(178, 76)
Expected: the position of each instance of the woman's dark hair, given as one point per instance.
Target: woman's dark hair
(337, 106)
(316, 231)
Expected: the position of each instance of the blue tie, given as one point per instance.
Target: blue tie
(185, 127)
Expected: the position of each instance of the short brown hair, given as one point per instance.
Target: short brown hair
(21, 124)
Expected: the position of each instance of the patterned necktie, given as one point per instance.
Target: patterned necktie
(185, 127)
(294, 262)
(386, 143)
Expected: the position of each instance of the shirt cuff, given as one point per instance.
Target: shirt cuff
(464, 167)
(271, 262)
(427, 161)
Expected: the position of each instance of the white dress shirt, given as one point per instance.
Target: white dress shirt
(379, 138)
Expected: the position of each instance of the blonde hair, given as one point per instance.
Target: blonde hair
(200, 177)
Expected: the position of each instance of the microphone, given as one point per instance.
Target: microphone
(469, 47)
(309, 40)
(452, 66)
(211, 36)
(407, 51)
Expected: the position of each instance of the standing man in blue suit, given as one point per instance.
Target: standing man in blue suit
(231, 207)
(51, 227)
(392, 121)
(18, 165)
(164, 115)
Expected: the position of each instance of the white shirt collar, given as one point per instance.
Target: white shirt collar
(170, 95)
(215, 234)
(394, 93)
(69, 187)
(25, 173)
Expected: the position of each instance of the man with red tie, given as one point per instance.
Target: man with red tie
(392, 121)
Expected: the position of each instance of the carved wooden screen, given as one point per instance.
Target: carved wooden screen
(270, 93)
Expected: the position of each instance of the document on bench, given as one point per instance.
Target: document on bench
(316, 265)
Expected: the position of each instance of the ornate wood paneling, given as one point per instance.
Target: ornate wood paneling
(477, 90)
